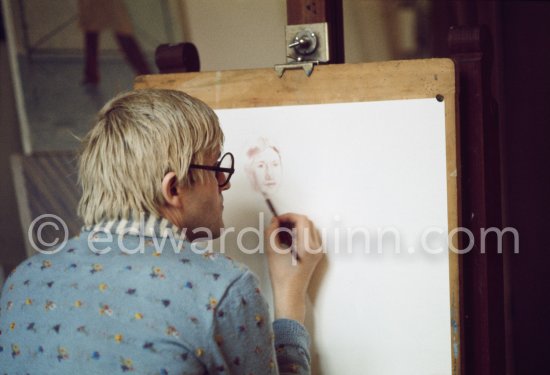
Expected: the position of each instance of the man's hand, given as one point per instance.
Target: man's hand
(291, 267)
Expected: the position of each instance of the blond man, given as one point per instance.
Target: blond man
(134, 293)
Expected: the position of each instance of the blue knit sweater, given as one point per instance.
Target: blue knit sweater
(125, 298)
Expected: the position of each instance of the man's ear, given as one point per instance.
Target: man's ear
(170, 190)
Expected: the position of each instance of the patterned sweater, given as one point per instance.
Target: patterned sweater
(130, 298)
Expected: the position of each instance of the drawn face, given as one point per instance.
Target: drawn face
(266, 171)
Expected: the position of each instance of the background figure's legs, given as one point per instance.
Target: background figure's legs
(91, 69)
(134, 56)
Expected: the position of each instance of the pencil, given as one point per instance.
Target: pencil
(271, 207)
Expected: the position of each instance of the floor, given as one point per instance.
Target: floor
(60, 109)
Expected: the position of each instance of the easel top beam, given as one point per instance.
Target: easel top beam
(391, 80)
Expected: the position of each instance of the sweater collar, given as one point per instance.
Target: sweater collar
(145, 224)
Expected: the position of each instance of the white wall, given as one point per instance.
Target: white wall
(241, 34)
(44, 21)
(236, 34)
(365, 25)
(230, 34)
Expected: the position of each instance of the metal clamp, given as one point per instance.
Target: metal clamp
(307, 42)
(304, 43)
(307, 66)
(306, 46)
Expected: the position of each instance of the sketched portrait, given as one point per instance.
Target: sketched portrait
(263, 166)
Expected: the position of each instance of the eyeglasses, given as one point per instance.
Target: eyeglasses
(223, 168)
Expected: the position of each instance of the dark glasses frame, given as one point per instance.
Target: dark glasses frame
(219, 170)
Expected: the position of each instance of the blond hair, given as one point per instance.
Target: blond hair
(139, 136)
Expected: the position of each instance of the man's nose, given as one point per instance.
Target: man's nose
(225, 187)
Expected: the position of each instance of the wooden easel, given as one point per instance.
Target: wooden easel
(480, 337)
(481, 275)
(393, 80)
